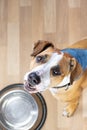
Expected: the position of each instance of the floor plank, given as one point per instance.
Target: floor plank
(22, 22)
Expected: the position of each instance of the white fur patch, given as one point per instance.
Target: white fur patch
(65, 81)
(44, 71)
(53, 90)
(65, 113)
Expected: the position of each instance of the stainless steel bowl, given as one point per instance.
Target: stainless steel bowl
(18, 109)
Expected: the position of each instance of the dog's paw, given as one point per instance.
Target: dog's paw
(65, 113)
(70, 109)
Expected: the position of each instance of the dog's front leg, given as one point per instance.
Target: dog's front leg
(70, 108)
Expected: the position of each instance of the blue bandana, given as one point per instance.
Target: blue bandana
(79, 54)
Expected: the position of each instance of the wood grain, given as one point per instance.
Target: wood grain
(22, 22)
(49, 16)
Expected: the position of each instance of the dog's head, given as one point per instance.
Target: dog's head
(49, 68)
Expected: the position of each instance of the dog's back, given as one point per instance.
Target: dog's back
(63, 72)
(80, 44)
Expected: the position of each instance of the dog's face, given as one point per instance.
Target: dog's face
(49, 68)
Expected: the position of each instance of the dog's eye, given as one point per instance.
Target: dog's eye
(56, 71)
(40, 59)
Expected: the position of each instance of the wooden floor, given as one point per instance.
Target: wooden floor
(22, 22)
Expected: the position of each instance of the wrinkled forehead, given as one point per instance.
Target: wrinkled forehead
(54, 59)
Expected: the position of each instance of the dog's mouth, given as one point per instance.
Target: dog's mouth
(29, 86)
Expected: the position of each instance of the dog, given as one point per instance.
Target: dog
(62, 71)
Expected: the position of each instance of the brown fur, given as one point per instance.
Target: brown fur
(72, 95)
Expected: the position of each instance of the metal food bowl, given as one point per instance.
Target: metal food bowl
(20, 110)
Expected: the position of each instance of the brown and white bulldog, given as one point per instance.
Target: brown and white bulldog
(63, 72)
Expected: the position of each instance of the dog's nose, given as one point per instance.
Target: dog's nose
(34, 78)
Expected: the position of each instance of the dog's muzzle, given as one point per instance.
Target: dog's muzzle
(33, 79)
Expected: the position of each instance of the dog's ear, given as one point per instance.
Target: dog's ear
(41, 46)
(75, 69)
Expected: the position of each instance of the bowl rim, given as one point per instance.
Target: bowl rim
(39, 96)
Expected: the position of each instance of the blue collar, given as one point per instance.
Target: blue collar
(79, 54)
